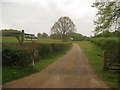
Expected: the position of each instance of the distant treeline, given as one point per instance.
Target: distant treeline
(12, 32)
(108, 34)
(74, 36)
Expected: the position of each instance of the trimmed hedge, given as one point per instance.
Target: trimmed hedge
(112, 47)
(49, 49)
(13, 55)
(16, 56)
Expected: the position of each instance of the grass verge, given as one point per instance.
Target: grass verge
(14, 73)
(95, 58)
(46, 61)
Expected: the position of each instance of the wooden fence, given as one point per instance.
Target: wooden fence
(110, 64)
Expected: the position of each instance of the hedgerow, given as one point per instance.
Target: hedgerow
(49, 49)
(111, 46)
(14, 55)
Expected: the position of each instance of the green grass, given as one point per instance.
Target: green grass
(46, 61)
(13, 73)
(9, 39)
(95, 58)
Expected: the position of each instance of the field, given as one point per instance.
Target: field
(95, 57)
(41, 40)
(9, 39)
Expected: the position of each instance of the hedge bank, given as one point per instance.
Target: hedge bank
(14, 55)
(112, 46)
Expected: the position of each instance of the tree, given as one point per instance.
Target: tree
(54, 36)
(108, 15)
(77, 36)
(64, 28)
(116, 33)
(43, 35)
(108, 34)
(39, 35)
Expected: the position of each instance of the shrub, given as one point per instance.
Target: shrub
(111, 46)
(13, 55)
(17, 60)
(16, 56)
(51, 48)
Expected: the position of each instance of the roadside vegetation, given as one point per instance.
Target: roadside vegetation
(24, 53)
(94, 54)
(18, 61)
(40, 40)
(109, 38)
(48, 40)
(10, 73)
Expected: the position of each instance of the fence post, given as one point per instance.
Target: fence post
(22, 37)
(105, 60)
(33, 63)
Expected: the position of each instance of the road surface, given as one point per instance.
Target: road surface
(70, 71)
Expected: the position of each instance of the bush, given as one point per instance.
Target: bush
(111, 46)
(13, 55)
(51, 48)
(16, 56)
(17, 60)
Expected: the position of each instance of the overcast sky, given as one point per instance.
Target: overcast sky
(35, 16)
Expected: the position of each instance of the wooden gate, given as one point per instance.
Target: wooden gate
(109, 62)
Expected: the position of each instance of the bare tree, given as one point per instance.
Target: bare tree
(64, 27)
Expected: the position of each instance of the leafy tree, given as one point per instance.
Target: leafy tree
(64, 28)
(116, 33)
(108, 34)
(43, 35)
(108, 15)
(54, 36)
(77, 36)
(39, 35)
